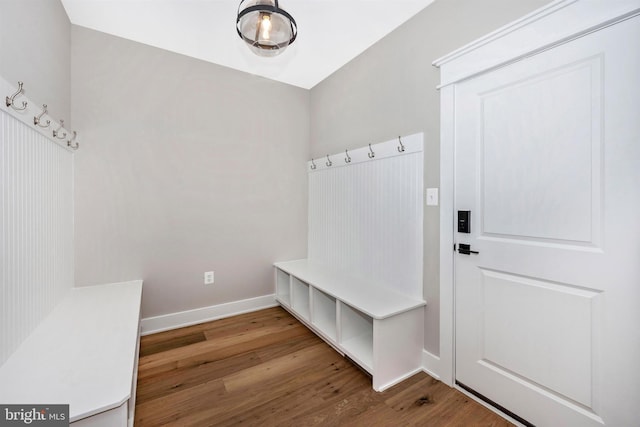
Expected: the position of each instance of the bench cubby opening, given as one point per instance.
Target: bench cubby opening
(300, 298)
(324, 313)
(357, 335)
(283, 287)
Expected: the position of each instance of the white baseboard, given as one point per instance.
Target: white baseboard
(166, 322)
(398, 380)
(431, 364)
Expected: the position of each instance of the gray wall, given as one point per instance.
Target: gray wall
(184, 167)
(35, 49)
(390, 90)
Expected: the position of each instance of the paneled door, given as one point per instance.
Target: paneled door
(547, 312)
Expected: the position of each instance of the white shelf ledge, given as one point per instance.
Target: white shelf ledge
(372, 299)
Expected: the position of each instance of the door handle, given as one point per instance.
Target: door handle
(466, 249)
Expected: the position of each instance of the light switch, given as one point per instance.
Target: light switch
(432, 197)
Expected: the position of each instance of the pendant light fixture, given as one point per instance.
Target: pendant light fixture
(266, 28)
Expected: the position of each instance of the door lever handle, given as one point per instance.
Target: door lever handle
(466, 249)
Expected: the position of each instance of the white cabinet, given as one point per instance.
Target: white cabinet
(377, 328)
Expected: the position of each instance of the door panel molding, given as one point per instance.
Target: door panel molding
(527, 329)
(530, 106)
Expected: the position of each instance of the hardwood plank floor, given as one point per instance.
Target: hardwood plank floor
(266, 369)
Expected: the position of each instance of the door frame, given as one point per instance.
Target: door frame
(556, 23)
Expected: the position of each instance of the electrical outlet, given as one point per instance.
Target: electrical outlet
(208, 278)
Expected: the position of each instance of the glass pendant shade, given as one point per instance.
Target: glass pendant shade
(266, 28)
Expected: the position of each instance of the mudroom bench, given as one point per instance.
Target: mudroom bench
(84, 353)
(377, 328)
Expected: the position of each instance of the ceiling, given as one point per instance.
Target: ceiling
(330, 32)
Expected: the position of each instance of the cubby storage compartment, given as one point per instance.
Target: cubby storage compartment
(357, 335)
(324, 313)
(300, 297)
(283, 288)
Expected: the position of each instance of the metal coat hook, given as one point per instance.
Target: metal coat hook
(72, 143)
(313, 164)
(37, 119)
(348, 158)
(328, 162)
(57, 131)
(11, 100)
(401, 147)
(371, 154)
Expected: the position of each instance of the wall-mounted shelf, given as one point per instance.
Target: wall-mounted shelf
(377, 328)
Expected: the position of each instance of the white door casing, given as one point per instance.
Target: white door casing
(546, 153)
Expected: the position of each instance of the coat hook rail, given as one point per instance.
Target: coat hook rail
(56, 132)
(42, 121)
(11, 100)
(398, 146)
(72, 143)
(38, 119)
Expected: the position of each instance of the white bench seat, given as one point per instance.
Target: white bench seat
(376, 327)
(84, 353)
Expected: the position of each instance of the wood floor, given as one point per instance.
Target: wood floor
(267, 369)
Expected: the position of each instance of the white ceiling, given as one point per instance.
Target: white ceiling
(330, 32)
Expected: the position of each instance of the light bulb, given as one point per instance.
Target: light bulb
(265, 25)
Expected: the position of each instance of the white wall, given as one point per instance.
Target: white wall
(390, 90)
(174, 178)
(184, 167)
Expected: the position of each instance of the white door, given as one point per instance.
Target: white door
(548, 162)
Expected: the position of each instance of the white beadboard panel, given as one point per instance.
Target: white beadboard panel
(36, 229)
(365, 218)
